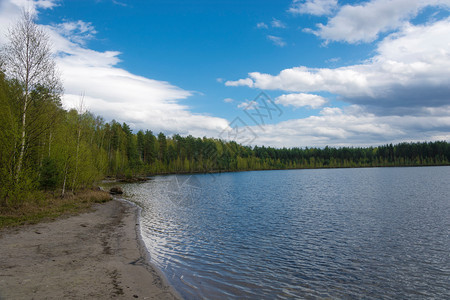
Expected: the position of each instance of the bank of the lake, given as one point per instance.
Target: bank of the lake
(94, 255)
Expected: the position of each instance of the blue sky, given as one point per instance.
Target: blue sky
(353, 73)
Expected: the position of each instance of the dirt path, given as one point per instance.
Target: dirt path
(95, 255)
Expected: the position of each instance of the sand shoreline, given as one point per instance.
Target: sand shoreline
(97, 255)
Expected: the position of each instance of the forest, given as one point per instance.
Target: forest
(44, 147)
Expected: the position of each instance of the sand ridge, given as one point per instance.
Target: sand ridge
(95, 255)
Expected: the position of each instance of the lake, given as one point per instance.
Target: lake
(327, 233)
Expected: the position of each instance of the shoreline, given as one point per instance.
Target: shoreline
(146, 177)
(98, 254)
(145, 252)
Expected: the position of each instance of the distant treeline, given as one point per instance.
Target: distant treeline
(146, 153)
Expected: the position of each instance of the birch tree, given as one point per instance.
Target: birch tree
(29, 60)
(80, 110)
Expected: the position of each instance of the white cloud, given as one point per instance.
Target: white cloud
(364, 22)
(111, 91)
(119, 3)
(313, 7)
(301, 100)
(241, 82)
(228, 100)
(401, 94)
(262, 25)
(8, 15)
(46, 4)
(354, 126)
(411, 68)
(118, 94)
(333, 60)
(248, 105)
(277, 23)
(11, 11)
(79, 32)
(32, 5)
(276, 40)
(348, 81)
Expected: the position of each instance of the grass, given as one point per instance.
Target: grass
(48, 207)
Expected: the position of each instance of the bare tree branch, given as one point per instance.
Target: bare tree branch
(28, 58)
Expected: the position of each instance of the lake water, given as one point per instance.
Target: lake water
(335, 233)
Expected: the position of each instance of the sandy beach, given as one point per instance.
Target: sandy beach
(95, 255)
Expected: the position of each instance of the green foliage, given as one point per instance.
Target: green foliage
(8, 137)
(17, 192)
(49, 174)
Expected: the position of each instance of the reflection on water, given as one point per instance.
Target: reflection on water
(339, 233)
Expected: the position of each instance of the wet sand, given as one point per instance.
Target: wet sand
(95, 255)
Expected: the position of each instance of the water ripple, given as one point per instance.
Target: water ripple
(344, 233)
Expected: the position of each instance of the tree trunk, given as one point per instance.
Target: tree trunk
(49, 143)
(76, 161)
(23, 137)
(64, 182)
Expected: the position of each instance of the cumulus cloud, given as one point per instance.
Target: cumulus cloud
(364, 22)
(313, 7)
(276, 40)
(411, 68)
(354, 126)
(111, 91)
(301, 100)
(349, 126)
(402, 93)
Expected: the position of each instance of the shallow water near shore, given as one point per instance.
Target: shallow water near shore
(338, 233)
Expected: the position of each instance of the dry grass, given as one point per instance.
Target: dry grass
(47, 207)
